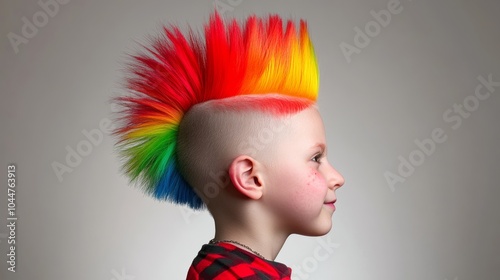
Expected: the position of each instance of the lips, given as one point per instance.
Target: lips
(331, 202)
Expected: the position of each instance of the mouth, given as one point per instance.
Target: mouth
(331, 204)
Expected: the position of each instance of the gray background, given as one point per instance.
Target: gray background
(442, 222)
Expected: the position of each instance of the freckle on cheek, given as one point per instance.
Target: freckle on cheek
(316, 180)
(312, 178)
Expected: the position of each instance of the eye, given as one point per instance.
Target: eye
(317, 158)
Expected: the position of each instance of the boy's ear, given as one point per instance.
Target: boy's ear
(246, 177)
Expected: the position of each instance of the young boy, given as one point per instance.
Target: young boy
(230, 123)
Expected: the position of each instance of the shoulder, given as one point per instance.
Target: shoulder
(225, 261)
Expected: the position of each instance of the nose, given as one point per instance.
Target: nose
(335, 180)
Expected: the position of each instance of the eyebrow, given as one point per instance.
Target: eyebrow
(322, 146)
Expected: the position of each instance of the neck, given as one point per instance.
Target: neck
(265, 240)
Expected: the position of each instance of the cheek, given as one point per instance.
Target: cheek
(311, 189)
(301, 188)
(315, 181)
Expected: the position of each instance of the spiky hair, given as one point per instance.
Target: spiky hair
(177, 71)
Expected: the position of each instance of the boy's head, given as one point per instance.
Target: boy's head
(230, 121)
(253, 161)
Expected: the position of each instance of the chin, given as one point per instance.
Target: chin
(318, 229)
(326, 230)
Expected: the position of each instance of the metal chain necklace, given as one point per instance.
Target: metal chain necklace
(213, 241)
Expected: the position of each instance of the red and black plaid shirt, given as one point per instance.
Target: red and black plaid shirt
(224, 261)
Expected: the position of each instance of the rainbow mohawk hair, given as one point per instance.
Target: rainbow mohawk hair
(257, 57)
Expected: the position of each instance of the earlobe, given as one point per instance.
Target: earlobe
(245, 176)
